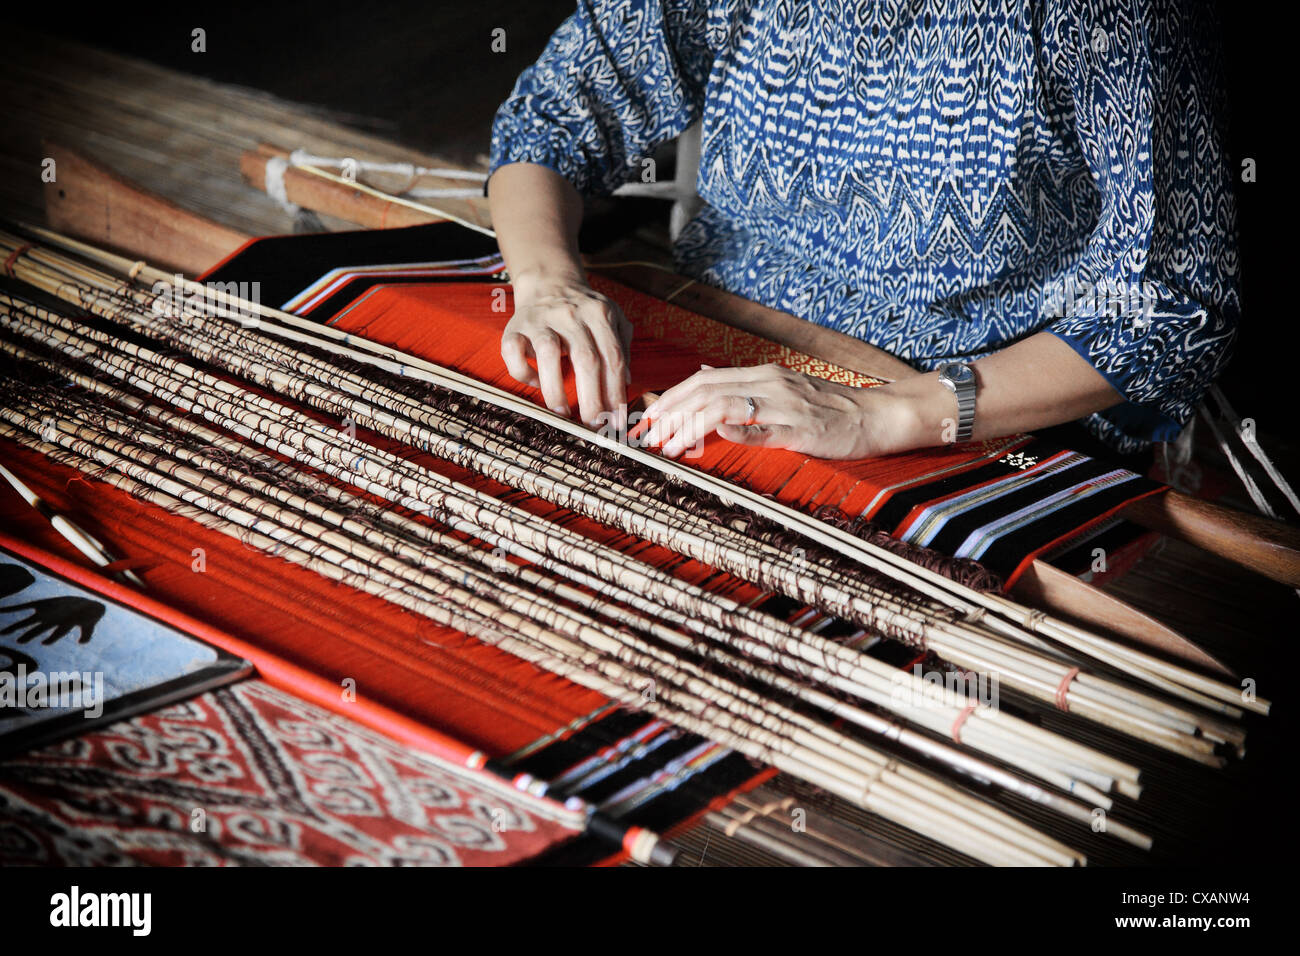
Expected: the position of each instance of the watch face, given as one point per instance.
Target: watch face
(957, 373)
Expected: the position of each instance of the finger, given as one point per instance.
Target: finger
(18, 624)
(762, 436)
(514, 352)
(708, 375)
(640, 429)
(614, 367)
(720, 409)
(671, 417)
(666, 430)
(665, 403)
(586, 361)
(665, 412)
(550, 372)
(673, 413)
(625, 333)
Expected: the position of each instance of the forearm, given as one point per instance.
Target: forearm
(1036, 383)
(536, 214)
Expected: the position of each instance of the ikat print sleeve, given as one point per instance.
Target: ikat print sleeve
(618, 78)
(1154, 303)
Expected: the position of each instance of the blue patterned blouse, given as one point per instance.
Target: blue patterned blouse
(940, 178)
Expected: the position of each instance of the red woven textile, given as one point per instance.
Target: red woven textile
(252, 775)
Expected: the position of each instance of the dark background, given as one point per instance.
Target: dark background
(424, 74)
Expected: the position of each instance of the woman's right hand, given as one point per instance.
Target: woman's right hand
(562, 315)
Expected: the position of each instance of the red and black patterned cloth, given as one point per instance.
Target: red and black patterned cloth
(252, 775)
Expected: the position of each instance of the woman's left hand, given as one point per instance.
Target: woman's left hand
(771, 406)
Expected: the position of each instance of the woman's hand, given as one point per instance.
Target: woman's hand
(789, 410)
(558, 316)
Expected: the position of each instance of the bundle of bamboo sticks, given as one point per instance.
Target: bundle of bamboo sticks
(177, 434)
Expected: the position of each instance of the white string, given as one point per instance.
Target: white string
(275, 170)
(1247, 482)
(300, 157)
(448, 193)
(1251, 441)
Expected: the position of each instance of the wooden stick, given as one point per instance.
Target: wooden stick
(103, 208)
(73, 533)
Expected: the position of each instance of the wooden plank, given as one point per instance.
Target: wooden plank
(89, 202)
(321, 195)
(1261, 544)
(1042, 585)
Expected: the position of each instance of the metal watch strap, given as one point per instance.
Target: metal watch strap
(964, 390)
(965, 411)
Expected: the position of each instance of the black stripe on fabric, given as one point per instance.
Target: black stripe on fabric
(676, 745)
(960, 526)
(285, 265)
(557, 757)
(893, 512)
(664, 811)
(900, 504)
(1076, 556)
(1008, 551)
(838, 628)
(779, 605)
(552, 761)
(660, 815)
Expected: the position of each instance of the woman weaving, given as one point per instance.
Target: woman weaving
(1030, 202)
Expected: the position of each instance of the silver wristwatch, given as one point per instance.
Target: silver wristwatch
(960, 377)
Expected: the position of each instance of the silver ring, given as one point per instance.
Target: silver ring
(752, 410)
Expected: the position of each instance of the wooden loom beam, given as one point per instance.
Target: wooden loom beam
(1063, 593)
(102, 207)
(318, 194)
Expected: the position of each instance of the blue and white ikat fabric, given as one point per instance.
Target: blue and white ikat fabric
(939, 178)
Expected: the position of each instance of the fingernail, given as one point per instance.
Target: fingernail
(672, 449)
(563, 410)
